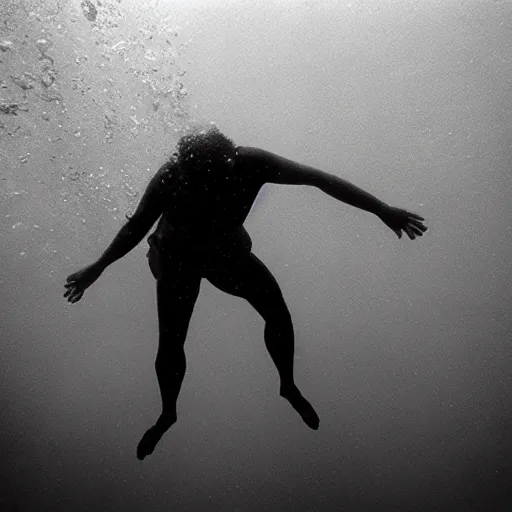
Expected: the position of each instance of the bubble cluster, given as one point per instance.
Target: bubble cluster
(86, 90)
(89, 10)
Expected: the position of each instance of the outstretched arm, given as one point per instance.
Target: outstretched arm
(277, 169)
(147, 212)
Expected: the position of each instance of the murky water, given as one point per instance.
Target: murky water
(403, 347)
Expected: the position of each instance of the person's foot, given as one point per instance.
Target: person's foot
(302, 406)
(152, 436)
(148, 442)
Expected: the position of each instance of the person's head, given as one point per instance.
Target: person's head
(204, 151)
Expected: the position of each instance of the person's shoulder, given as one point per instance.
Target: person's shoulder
(257, 161)
(257, 157)
(170, 166)
(248, 154)
(167, 171)
(252, 159)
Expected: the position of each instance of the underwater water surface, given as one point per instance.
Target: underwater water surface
(402, 346)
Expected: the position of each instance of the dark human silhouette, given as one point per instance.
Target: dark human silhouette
(202, 197)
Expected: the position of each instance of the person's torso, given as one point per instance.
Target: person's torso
(209, 213)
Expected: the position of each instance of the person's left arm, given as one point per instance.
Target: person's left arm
(276, 169)
(148, 211)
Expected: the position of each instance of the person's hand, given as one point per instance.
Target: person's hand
(400, 220)
(78, 282)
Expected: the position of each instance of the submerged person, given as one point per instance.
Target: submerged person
(202, 196)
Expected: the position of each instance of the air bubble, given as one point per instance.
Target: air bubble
(25, 81)
(89, 10)
(5, 45)
(150, 55)
(119, 46)
(43, 45)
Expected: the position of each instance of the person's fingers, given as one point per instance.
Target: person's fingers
(420, 227)
(415, 230)
(69, 285)
(414, 216)
(73, 293)
(410, 234)
(418, 224)
(73, 298)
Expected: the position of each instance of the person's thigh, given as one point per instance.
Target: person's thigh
(176, 299)
(178, 284)
(170, 264)
(248, 277)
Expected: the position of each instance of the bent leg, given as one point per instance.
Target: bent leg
(249, 278)
(176, 296)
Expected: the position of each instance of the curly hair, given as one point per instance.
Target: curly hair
(204, 147)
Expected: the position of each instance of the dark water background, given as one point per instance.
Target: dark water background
(403, 347)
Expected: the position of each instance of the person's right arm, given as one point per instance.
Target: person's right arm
(149, 209)
(276, 169)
